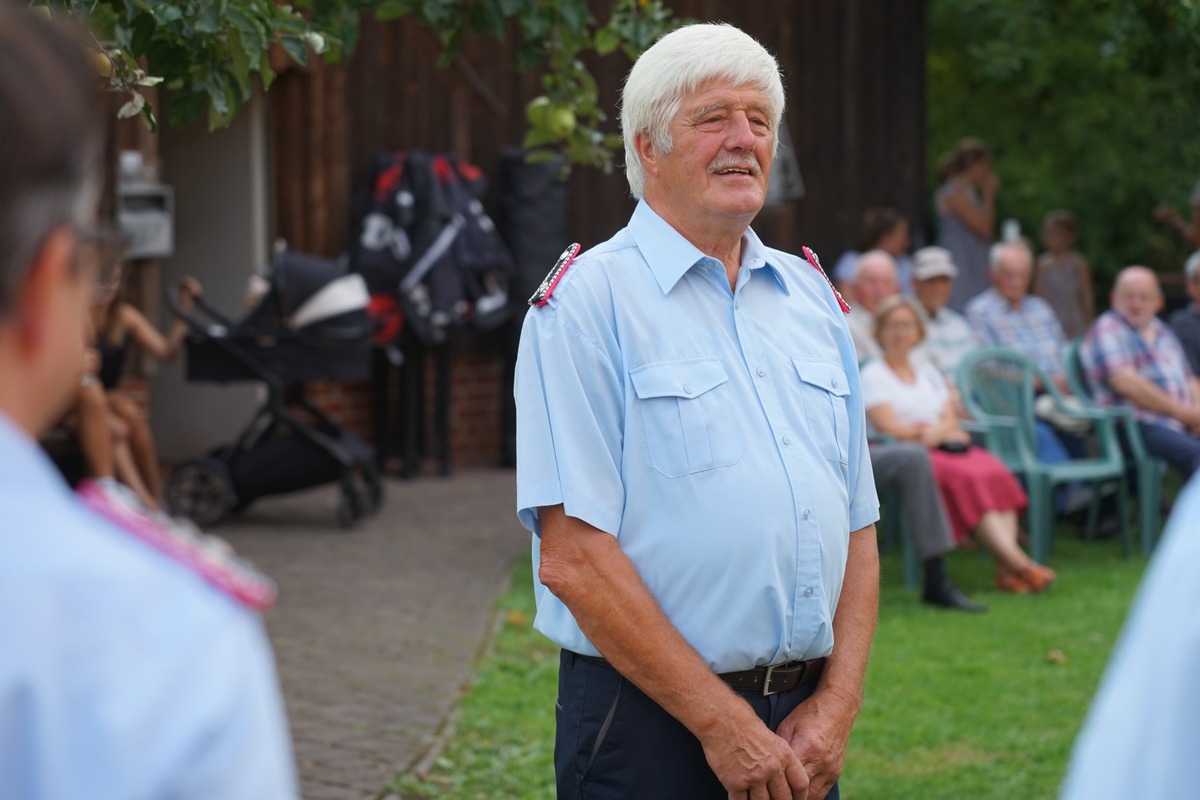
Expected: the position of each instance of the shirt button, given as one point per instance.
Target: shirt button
(687, 390)
(835, 383)
(787, 440)
(807, 513)
(762, 373)
(808, 592)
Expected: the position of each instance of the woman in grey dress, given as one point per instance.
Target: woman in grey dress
(966, 209)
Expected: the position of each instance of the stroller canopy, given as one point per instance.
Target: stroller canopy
(313, 296)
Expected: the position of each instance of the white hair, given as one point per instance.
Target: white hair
(1191, 267)
(679, 63)
(881, 257)
(997, 250)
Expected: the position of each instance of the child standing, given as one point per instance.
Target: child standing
(1063, 278)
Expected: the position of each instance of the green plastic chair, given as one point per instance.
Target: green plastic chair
(997, 387)
(1150, 470)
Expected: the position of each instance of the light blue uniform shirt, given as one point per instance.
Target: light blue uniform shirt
(123, 675)
(719, 436)
(1142, 736)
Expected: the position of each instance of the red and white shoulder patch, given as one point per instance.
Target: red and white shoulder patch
(546, 288)
(812, 259)
(210, 557)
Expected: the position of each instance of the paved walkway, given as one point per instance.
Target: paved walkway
(377, 628)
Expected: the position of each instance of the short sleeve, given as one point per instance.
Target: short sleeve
(570, 412)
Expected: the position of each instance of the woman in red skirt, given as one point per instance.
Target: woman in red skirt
(908, 399)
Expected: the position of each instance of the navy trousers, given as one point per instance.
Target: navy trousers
(1180, 450)
(615, 743)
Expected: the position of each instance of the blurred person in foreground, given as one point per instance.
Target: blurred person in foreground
(693, 465)
(125, 671)
(1142, 733)
(909, 400)
(1132, 358)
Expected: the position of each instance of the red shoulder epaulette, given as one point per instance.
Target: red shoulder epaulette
(811, 257)
(208, 556)
(542, 295)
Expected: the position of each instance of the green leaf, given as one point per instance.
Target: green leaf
(295, 48)
(133, 107)
(144, 28)
(607, 40)
(209, 21)
(186, 106)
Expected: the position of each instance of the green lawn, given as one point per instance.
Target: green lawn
(957, 705)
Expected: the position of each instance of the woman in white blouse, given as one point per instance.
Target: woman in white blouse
(909, 400)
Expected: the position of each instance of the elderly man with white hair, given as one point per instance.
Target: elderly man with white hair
(692, 463)
(874, 281)
(1007, 315)
(1186, 321)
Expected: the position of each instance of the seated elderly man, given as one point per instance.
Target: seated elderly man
(874, 282)
(1132, 358)
(1007, 315)
(1186, 321)
(948, 336)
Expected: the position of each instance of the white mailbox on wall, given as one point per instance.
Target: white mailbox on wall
(146, 215)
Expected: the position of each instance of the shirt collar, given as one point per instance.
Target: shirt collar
(669, 255)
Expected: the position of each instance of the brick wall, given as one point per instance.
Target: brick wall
(476, 375)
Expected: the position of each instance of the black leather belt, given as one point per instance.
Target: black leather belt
(776, 678)
(769, 680)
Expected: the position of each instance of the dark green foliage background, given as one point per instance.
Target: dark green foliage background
(1089, 105)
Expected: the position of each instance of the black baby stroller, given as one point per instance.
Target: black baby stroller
(310, 324)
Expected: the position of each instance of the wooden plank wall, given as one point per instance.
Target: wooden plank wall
(854, 74)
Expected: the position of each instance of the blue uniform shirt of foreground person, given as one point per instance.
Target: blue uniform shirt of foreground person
(123, 675)
(719, 436)
(1142, 736)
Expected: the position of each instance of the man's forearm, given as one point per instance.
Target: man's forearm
(1144, 394)
(585, 568)
(854, 621)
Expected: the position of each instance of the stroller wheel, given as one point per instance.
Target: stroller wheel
(201, 491)
(349, 509)
(372, 491)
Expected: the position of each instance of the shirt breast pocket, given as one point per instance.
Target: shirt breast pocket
(823, 391)
(688, 414)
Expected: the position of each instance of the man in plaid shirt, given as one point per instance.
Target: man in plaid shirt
(1008, 316)
(1132, 358)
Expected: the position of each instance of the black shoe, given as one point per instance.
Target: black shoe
(950, 596)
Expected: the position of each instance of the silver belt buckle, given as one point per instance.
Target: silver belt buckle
(767, 680)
